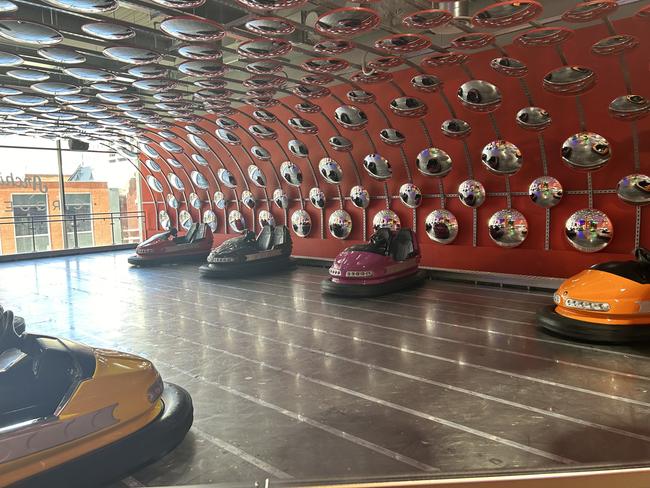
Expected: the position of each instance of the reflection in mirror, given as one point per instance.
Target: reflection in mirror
(441, 226)
(508, 13)
(236, 221)
(502, 158)
(325, 65)
(589, 230)
(219, 200)
(307, 107)
(347, 21)
(62, 55)
(228, 137)
(426, 83)
(544, 36)
(264, 48)
(340, 224)
(263, 132)
(473, 40)
(195, 201)
(403, 43)
(269, 26)
(455, 128)
(298, 148)
(370, 78)
(614, 45)
(533, 118)
(303, 126)
(280, 198)
(340, 143)
(317, 79)
(359, 196)
(266, 5)
(360, 96)
(248, 199)
(330, 170)
(171, 147)
(198, 142)
(634, 189)
(165, 221)
(392, 137)
(629, 107)
(264, 116)
(210, 218)
(410, 195)
(569, 80)
(260, 153)
(449, 58)
(433, 162)
(227, 178)
(108, 31)
(301, 223)
(200, 160)
(427, 19)
(86, 6)
(509, 67)
(545, 191)
(471, 193)
(152, 165)
(27, 74)
(333, 46)
(175, 181)
(172, 201)
(386, 219)
(174, 163)
(256, 175)
(193, 29)
(132, 55)
(508, 228)
(408, 107)
(590, 10)
(377, 166)
(586, 151)
(199, 180)
(200, 51)
(291, 173)
(317, 197)
(479, 96)
(154, 184)
(266, 218)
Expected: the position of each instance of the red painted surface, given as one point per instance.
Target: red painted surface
(529, 258)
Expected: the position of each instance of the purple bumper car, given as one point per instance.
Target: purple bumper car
(388, 263)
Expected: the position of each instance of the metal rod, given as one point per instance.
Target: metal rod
(59, 158)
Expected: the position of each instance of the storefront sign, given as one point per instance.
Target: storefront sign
(34, 182)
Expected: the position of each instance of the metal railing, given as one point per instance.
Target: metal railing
(72, 225)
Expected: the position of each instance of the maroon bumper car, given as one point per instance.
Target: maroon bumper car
(386, 264)
(168, 247)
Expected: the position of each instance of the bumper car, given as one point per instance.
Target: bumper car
(168, 247)
(388, 263)
(609, 302)
(75, 416)
(248, 254)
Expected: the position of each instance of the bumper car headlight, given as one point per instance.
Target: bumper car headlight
(335, 271)
(222, 260)
(587, 305)
(557, 299)
(358, 274)
(155, 391)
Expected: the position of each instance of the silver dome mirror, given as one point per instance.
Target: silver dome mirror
(545, 191)
(377, 166)
(502, 158)
(248, 199)
(219, 200)
(441, 226)
(199, 180)
(280, 198)
(301, 223)
(303, 126)
(589, 230)
(298, 148)
(236, 221)
(586, 151)
(256, 175)
(634, 189)
(434, 162)
(340, 143)
(471, 193)
(195, 201)
(629, 107)
(226, 178)
(426, 83)
(359, 196)
(340, 224)
(317, 197)
(193, 29)
(410, 107)
(227, 136)
(508, 228)
(456, 128)
(569, 80)
(386, 219)
(291, 173)
(533, 118)
(210, 218)
(479, 96)
(509, 67)
(330, 170)
(392, 137)
(260, 153)
(410, 195)
(266, 218)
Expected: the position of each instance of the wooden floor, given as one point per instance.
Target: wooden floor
(290, 384)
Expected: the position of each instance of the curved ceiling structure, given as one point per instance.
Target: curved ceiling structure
(478, 124)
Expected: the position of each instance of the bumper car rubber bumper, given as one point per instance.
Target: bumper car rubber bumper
(137, 260)
(118, 459)
(364, 291)
(250, 268)
(552, 321)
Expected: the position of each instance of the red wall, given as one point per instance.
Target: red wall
(529, 258)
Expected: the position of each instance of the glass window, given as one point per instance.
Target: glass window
(78, 210)
(30, 218)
